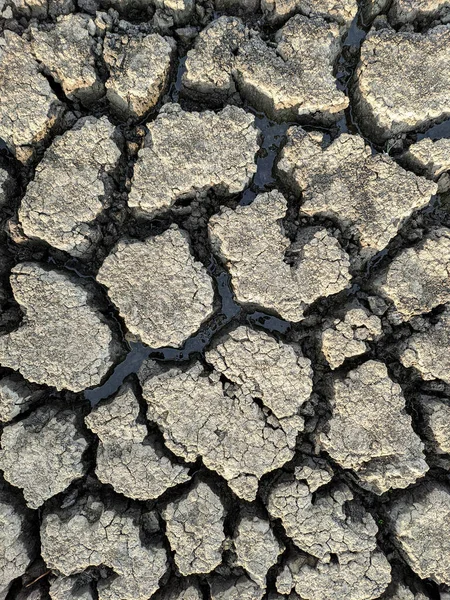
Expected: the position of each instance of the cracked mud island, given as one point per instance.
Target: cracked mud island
(224, 299)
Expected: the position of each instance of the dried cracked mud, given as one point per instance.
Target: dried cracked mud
(224, 300)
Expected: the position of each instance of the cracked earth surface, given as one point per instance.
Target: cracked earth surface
(224, 300)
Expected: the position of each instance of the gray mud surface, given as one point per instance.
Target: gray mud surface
(224, 300)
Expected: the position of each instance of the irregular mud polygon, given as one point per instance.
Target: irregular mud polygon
(235, 436)
(304, 56)
(161, 291)
(194, 528)
(348, 336)
(320, 526)
(370, 431)
(127, 458)
(28, 107)
(71, 187)
(209, 65)
(332, 527)
(77, 346)
(43, 453)
(89, 533)
(408, 11)
(234, 439)
(417, 280)
(368, 194)
(251, 242)
(16, 395)
(319, 264)
(436, 415)
(176, 162)
(357, 576)
(432, 159)
(398, 88)
(420, 525)
(428, 350)
(67, 51)
(264, 368)
(17, 545)
(342, 12)
(315, 471)
(256, 546)
(139, 69)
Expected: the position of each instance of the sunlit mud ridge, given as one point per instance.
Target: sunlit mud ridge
(224, 300)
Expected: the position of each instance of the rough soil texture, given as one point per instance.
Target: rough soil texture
(424, 514)
(209, 65)
(237, 437)
(417, 280)
(190, 140)
(90, 533)
(252, 243)
(341, 12)
(47, 443)
(371, 195)
(4, 177)
(409, 11)
(65, 588)
(370, 432)
(77, 347)
(139, 71)
(17, 546)
(28, 108)
(348, 336)
(436, 412)
(366, 574)
(234, 588)
(161, 291)
(194, 528)
(427, 350)
(129, 459)
(304, 56)
(328, 523)
(257, 548)
(71, 187)
(67, 52)
(430, 158)
(16, 395)
(396, 88)
(224, 300)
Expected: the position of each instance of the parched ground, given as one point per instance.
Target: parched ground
(224, 300)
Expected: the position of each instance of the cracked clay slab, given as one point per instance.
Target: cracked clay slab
(91, 533)
(71, 187)
(370, 431)
(398, 87)
(176, 160)
(370, 195)
(201, 416)
(128, 458)
(163, 293)
(252, 243)
(48, 442)
(28, 108)
(77, 346)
